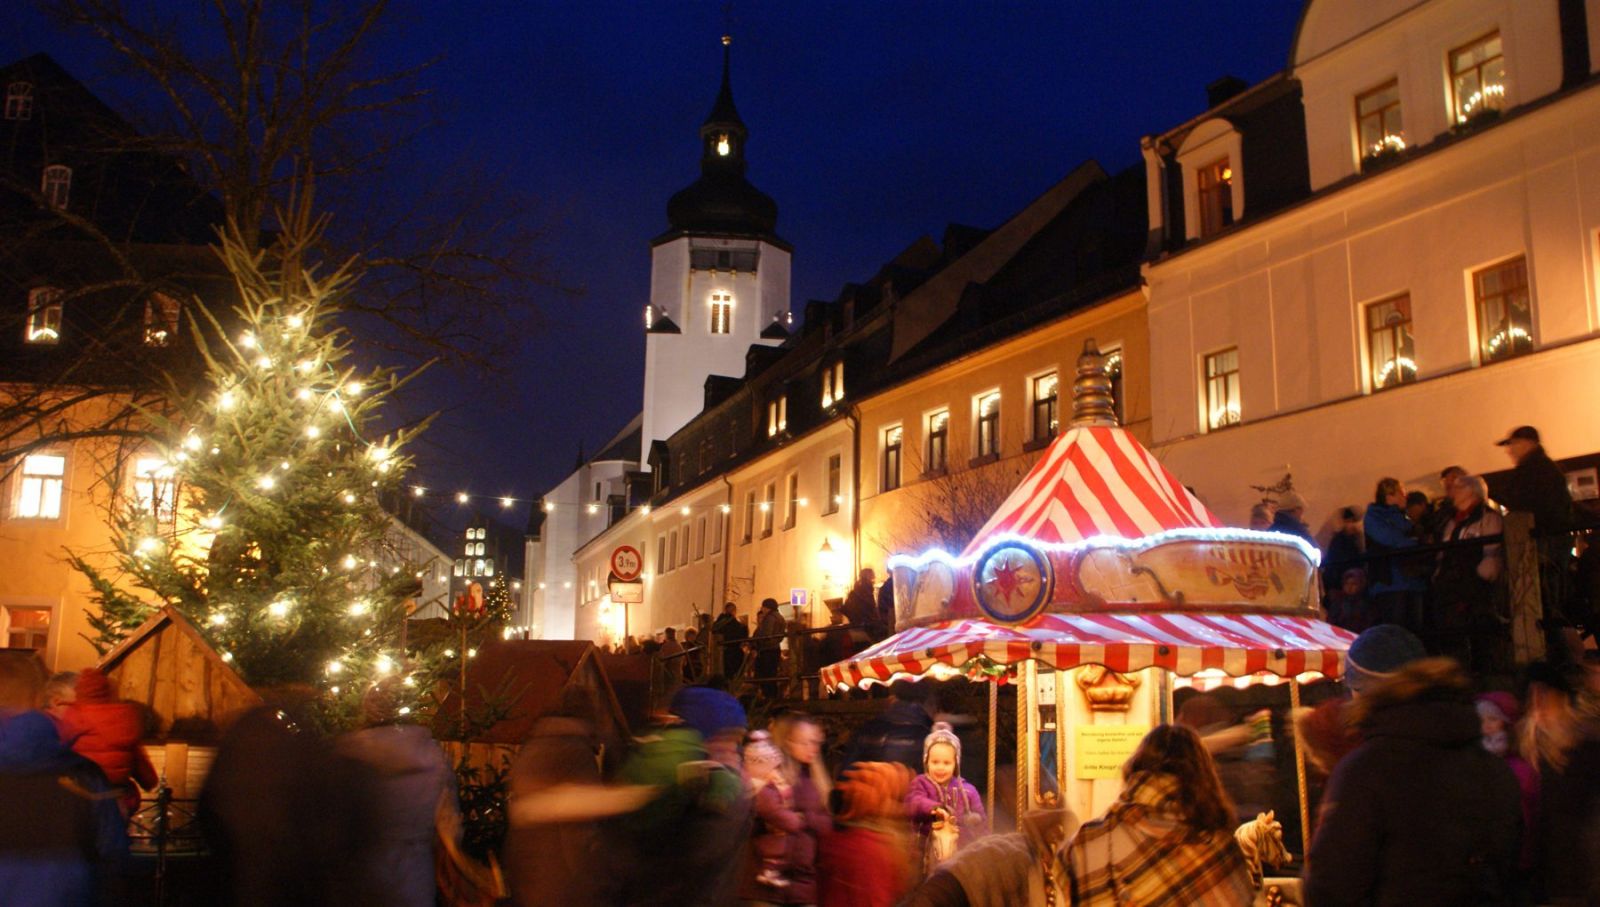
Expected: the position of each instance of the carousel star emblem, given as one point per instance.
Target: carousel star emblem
(1013, 582)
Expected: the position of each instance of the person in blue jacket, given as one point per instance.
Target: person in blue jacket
(1394, 585)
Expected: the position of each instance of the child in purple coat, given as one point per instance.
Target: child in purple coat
(945, 808)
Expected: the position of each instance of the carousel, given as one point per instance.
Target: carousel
(1100, 586)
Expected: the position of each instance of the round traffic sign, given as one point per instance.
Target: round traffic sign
(626, 563)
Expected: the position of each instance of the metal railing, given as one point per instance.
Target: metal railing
(799, 669)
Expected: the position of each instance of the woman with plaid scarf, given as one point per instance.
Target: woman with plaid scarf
(1168, 840)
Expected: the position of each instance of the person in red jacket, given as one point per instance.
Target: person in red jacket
(106, 731)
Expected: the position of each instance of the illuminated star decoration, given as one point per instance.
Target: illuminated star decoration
(1005, 579)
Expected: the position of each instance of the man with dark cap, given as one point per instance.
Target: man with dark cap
(1419, 812)
(1538, 486)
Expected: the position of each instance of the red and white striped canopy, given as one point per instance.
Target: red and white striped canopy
(1094, 481)
(1184, 643)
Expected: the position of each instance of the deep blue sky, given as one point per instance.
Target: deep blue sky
(871, 123)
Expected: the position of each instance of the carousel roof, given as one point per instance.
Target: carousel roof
(1186, 644)
(1093, 481)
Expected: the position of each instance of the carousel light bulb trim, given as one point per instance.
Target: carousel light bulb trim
(1166, 536)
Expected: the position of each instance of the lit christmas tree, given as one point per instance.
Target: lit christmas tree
(277, 546)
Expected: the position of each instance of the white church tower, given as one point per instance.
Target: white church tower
(719, 277)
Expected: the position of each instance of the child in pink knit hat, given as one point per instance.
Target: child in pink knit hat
(945, 807)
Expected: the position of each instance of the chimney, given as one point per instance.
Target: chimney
(1220, 91)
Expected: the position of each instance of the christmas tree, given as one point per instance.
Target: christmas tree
(266, 531)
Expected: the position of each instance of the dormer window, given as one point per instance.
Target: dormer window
(160, 319)
(833, 384)
(19, 101)
(1214, 183)
(721, 313)
(778, 416)
(44, 315)
(1378, 127)
(56, 186)
(724, 147)
(1478, 77)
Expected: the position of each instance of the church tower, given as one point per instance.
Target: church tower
(719, 276)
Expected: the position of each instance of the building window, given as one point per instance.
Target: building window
(832, 384)
(1045, 397)
(791, 500)
(683, 550)
(19, 101)
(716, 532)
(778, 416)
(721, 313)
(1505, 316)
(40, 485)
(749, 515)
(1478, 77)
(44, 315)
(160, 319)
(662, 565)
(938, 453)
(889, 478)
(769, 502)
(27, 628)
(1215, 184)
(833, 480)
(460, 568)
(1114, 372)
(1222, 388)
(1378, 127)
(700, 539)
(155, 488)
(1389, 344)
(988, 433)
(57, 186)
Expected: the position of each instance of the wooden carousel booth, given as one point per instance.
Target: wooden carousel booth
(1100, 586)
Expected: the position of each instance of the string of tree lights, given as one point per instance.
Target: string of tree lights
(263, 524)
(507, 502)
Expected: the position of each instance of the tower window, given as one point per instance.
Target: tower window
(721, 313)
(19, 101)
(56, 186)
(1505, 314)
(44, 315)
(160, 319)
(1215, 182)
(1222, 388)
(1378, 120)
(40, 486)
(1478, 77)
(1389, 347)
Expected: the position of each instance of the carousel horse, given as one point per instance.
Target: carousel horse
(1261, 839)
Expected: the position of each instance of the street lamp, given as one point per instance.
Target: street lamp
(828, 560)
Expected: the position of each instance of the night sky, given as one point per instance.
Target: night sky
(871, 123)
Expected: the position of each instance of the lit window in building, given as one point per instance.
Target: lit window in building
(662, 566)
(988, 425)
(1389, 344)
(768, 503)
(834, 483)
(1505, 312)
(1114, 372)
(19, 101)
(1478, 77)
(1215, 184)
(1045, 412)
(889, 479)
(57, 186)
(1378, 126)
(716, 531)
(27, 628)
(160, 319)
(749, 515)
(1222, 388)
(791, 500)
(155, 487)
(40, 486)
(938, 454)
(832, 384)
(721, 313)
(44, 315)
(778, 416)
(460, 568)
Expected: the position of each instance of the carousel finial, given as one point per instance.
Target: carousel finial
(1092, 403)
